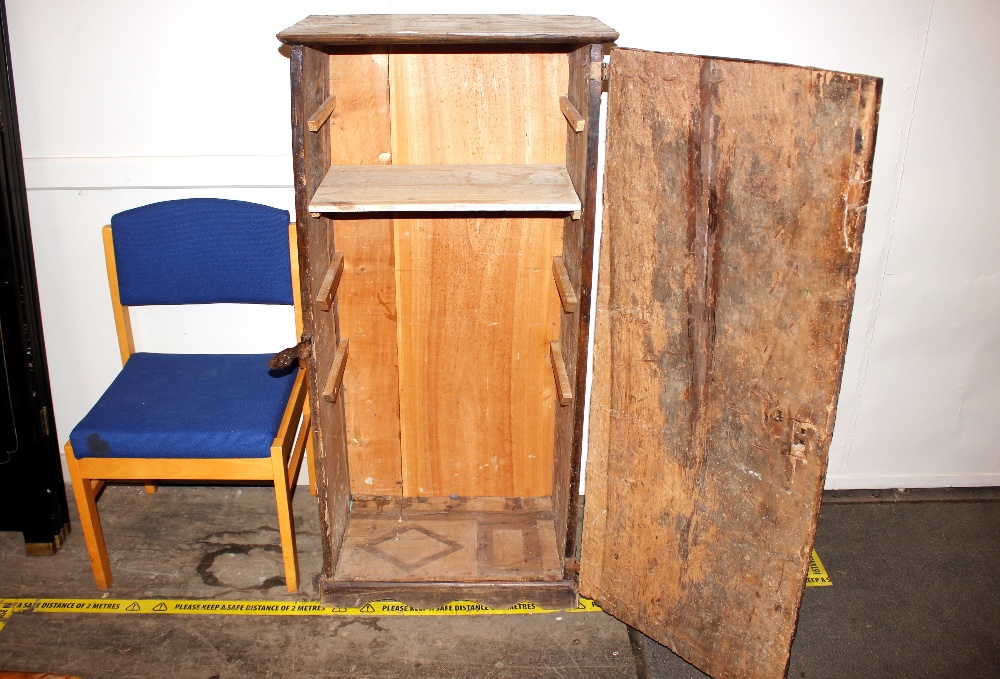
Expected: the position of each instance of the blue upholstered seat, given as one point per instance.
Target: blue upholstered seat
(194, 251)
(187, 406)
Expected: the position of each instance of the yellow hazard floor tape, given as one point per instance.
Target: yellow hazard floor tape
(817, 577)
(218, 607)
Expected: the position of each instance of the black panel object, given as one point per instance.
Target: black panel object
(32, 495)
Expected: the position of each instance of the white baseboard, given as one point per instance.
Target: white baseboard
(913, 481)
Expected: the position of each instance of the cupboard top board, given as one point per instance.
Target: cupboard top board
(385, 29)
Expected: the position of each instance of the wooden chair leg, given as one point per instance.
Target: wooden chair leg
(151, 487)
(286, 520)
(90, 522)
(310, 452)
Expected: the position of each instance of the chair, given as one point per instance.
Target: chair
(195, 417)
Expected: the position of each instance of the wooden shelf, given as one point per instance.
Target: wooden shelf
(446, 188)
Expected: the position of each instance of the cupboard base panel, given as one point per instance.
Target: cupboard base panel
(443, 539)
(422, 595)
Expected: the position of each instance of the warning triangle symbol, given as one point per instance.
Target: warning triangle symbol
(160, 607)
(368, 609)
(134, 606)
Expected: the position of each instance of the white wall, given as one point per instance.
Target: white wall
(122, 103)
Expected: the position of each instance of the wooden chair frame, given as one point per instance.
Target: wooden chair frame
(281, 468)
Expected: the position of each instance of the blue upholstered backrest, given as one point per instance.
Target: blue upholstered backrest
(202, 251)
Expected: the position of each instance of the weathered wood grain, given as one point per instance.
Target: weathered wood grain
(578, 252)
(446, 188)
(727, 282)
(441, 505)
(366, 301)
(450, 539)
(311, 158)
(431, 29)
(553, 595)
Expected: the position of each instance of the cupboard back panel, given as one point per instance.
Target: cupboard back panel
(456, 108)
(476, 302)
(476, 308)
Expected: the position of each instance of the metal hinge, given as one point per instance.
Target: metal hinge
(44, 415)
(572, 568)
(605, 76)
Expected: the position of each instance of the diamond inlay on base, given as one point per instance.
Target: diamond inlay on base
(446, 539)
(412, 548)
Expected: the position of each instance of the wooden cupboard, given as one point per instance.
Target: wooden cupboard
(446, 187)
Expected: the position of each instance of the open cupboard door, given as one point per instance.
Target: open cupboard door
(735, 197)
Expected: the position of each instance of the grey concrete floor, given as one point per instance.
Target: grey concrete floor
(222, 543)
(916, 594)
